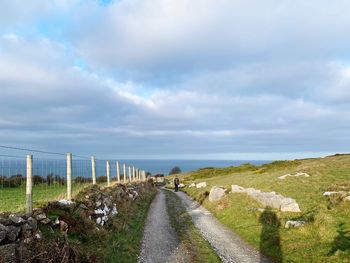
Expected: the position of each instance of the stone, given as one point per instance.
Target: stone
(2, 235)
(237, 189)
(5, 221)
(63, 226)
(26, 230)
(38, 235)
(8, 253)
(40, 217)
(82, 206)
(32, 223)
(271, 199)
(45, 221)
(66, 202)
(12, 233)
(98, 203)
(192, 185)
(114, 210)
(181, 185)
(98, 220)
(201, 185)
(216, 193)
(17, 220)
(294, 223)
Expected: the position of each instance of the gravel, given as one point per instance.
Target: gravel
(160, 242)
(228, 246)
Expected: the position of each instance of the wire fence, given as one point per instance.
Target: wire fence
(27, 181)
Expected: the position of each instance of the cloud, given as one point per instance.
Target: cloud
(176, 78)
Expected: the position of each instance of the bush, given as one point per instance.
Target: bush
(13, 181)
(102, 179)
(175, 170)
(82, 180)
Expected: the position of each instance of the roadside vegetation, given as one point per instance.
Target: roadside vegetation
(118, 241)
(325, 238)
(199, 249)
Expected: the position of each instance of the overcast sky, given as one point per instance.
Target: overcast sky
(204, 79)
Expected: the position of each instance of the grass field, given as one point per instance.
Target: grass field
(326, 237)
(13, 199)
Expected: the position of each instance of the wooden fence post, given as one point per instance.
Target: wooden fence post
(124, 172)
(69, 176)
(93, 169)
(133, 173)
(117, 171)
(29, 185)
(129, 174)
(108, 173)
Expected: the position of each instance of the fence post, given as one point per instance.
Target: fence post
(93, 169)
(124, 172)
(133, 173)
(118, 172)
(129, 174)
(69, 176)
(107, 173)
(29, 185)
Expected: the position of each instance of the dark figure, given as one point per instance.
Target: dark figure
(270, 237)
(176, 183)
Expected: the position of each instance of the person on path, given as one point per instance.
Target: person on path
(176, 183)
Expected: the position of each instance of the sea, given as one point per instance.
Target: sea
(44, 167)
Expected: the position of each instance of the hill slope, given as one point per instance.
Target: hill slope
(325, 238)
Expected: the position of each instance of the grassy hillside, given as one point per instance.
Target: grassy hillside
(326, 238)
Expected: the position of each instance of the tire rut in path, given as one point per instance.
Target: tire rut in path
(160, 242)
(229, 246)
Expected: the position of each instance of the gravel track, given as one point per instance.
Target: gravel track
(160, 242)
(228, 246)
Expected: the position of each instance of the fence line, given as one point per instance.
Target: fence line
(29, 182)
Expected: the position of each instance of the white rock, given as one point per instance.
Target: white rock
(201, 185)
(295, 175)
(99, 211)
(270, 199)
(98, 220)
(192, 185)
(329, 193)
(181, 185)
(216, 193)
(237, 189)
(296, 223)
(114, 210)
(66, 202)
(105, 218)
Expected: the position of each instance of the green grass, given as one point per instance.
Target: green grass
(125, 245)
(14, 199)
(326, 238)
(199, 249)
(118, 241)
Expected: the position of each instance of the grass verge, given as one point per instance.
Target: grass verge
(325, 238)
(199, 249)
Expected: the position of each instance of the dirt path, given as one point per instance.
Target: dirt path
(229, 246)
(160, 242)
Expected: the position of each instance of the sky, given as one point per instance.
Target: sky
(176, 79)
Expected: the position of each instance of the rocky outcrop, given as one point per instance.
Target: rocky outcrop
(271, 199)
(293, 175)
(201, 185)
(216, 193)
(192, 185)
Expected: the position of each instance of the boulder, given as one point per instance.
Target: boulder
(216, 193)
(201, 185)
(271, 199)
(294, 223)
(237, 189)
(17, 220)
